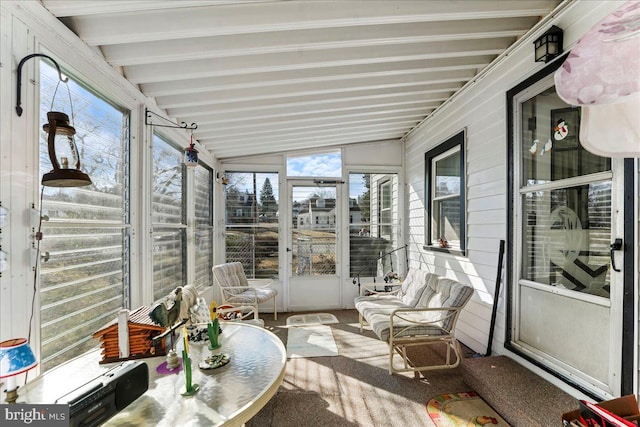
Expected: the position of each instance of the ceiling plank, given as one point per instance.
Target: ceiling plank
(298, 141)
(291, 113)
(223, 96)
(300, 129)
(307, 40)
(293, 61)
(326, 75)
(189, 22)
(428, 92)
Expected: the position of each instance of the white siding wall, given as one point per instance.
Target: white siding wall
(481, 109)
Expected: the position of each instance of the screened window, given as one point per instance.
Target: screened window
(251, 222)
(84, 270)
(203, 192)
(168, 216)
(445, 178)
(374, 224)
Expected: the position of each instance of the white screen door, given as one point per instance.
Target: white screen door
(568, 210)
(314, 279)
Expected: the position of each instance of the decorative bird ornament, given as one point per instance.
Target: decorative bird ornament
(167, 311)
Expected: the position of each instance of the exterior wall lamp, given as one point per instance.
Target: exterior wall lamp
(548, 45)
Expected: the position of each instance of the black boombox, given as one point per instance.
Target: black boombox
(99, 399)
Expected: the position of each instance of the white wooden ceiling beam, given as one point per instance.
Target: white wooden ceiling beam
(428, 92)
(317, 119)
(240, 132)
(189, 22)
(309, 76)
(294, 61)
(66, 8)
(292, 114)
(300, 140)
(308, 40)
(353, 105)
(302, 135)
(304, 89)
(230, 151)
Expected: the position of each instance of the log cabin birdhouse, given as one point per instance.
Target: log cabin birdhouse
(130, 336)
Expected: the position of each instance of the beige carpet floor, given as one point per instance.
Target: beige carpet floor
(353, 388)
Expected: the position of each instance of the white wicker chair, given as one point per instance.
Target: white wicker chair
(239, 291)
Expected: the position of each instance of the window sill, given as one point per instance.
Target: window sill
(451, 251)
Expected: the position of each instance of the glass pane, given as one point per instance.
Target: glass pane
(168, 265)
(100, 143)
(251, 198)
(83, 283)
(328, 165)
(167, 183)
(251, 215)
(314, 231)
(550, 135)
(447, 175)
(81, 288)
(446, 220)
(385, 191)
(370, 237)
(203, 191)
(566, 238)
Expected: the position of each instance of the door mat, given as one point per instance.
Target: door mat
(465, 409)
(311, 341)
(311, 319)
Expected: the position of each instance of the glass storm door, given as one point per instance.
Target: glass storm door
(314, 280)
(568, 298)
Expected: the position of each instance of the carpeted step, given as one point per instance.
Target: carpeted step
(522, 397)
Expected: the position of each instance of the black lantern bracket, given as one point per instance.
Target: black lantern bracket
(148, 120)
(19, 89)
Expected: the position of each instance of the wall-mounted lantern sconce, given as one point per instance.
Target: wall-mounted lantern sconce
(548, 45)
(62, 175)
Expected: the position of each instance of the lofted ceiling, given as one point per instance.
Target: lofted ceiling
(260, 77)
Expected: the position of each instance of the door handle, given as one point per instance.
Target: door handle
(289, 250)
(615, 246)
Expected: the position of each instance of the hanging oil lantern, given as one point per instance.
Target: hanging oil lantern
(61, 136)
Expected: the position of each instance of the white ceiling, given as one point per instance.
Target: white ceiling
(269, 76)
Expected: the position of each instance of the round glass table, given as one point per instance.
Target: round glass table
(227, 396)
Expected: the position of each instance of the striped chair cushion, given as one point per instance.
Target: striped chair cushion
(439, 292)
(249, 297)
(229, 275)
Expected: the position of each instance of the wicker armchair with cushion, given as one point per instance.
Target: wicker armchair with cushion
(238, 291)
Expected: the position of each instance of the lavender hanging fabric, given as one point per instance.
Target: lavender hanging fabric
(602, 74)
